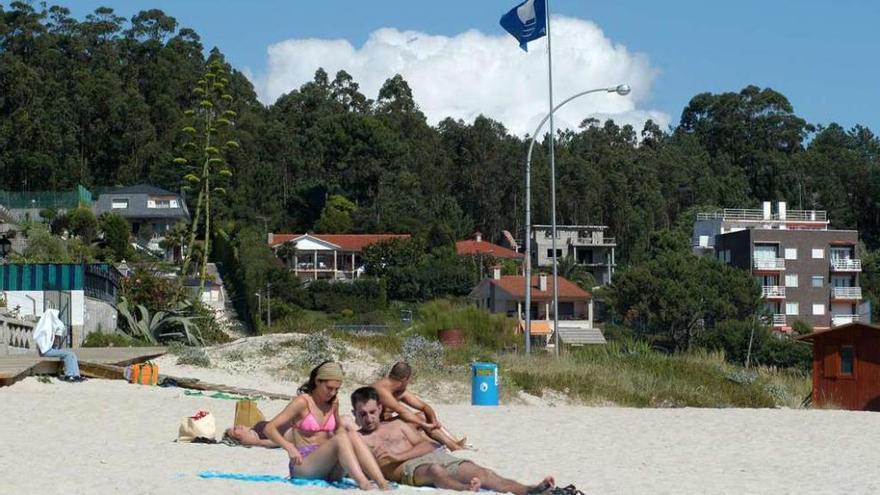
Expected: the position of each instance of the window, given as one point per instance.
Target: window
(121, 203)
(765, 252)
(818, 309)
(791, 280)
(818, 254)
(846, 360)
(791, 253)
(558, 253)
(817, 281)
(791, 309)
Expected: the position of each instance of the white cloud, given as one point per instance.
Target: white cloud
(473, 73)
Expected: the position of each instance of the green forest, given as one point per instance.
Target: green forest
(101, 101)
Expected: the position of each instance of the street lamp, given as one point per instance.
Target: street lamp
(620, 89)
(259, 306)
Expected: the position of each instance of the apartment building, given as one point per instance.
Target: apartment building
(806, 270)
(586, 244)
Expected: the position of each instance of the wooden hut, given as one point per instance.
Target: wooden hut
(846, 367)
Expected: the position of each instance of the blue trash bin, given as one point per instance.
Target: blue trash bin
(484, 384)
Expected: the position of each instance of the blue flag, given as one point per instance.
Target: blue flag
(526, 22)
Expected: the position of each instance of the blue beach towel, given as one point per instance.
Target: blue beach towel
(344, 483)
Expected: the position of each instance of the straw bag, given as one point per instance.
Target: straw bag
(247, 413)
(201, 425)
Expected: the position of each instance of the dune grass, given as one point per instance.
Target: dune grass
(631, 374)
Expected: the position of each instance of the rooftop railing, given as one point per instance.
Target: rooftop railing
(757, 215)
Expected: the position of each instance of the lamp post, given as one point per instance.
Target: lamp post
(620, 89)
(259, 306)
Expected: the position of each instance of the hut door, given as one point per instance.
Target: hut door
(829, 362)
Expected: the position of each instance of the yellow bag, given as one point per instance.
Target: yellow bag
(247, 413)
(144, 373)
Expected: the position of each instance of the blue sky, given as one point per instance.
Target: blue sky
(822, 55)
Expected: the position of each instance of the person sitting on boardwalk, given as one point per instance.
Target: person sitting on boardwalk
(319, 446)
(49, 338)
(396, 402)
(406, 457)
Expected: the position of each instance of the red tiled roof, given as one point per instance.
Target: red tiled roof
(346, 242)
(472, 247)
(515, 286)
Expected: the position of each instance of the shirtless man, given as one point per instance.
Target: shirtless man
(396, 402)
(406, 457)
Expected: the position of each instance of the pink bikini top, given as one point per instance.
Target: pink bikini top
(309, 424)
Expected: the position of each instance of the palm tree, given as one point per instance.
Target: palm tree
(568, 268)
(286, 252)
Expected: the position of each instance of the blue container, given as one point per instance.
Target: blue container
(484, 384)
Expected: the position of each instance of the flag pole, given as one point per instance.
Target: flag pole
(552, 185)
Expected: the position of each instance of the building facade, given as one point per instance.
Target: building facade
(84, 294)
(325, 256)
(806, 271)
(588, 245)
(150, 210)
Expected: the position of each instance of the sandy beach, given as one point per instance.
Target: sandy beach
(112, 437)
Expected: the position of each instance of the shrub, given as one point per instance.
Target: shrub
(423, 353)
(768, 349)
(316, 347)
(481, 328)
(116, 234)
(116, 339)
(235, 355)
(359, 296)
(83, 223)
(193, 356)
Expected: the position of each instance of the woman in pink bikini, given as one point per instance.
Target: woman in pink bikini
(321, 447)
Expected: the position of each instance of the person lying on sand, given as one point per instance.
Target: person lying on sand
(256, 436)
(408, 458)
(396, 403)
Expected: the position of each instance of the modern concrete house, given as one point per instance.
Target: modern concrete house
(589, 245)
(807, 271)
(325, 256)
(150, 210)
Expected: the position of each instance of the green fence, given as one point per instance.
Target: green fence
(46, 199)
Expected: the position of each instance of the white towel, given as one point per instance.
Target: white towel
(49, 326)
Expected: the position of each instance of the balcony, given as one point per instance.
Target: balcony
(846, 293)
(846, 265)
(771, 264)
(773, 292)
(775, 321)
(837, 320)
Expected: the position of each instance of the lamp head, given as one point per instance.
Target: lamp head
(622, 89)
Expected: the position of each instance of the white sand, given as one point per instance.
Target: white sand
(111, 437)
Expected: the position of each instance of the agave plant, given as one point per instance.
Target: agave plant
(161, 325)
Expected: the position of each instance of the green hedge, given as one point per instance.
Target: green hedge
(359, 296)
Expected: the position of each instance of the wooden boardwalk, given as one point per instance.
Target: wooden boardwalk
(15, 367)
